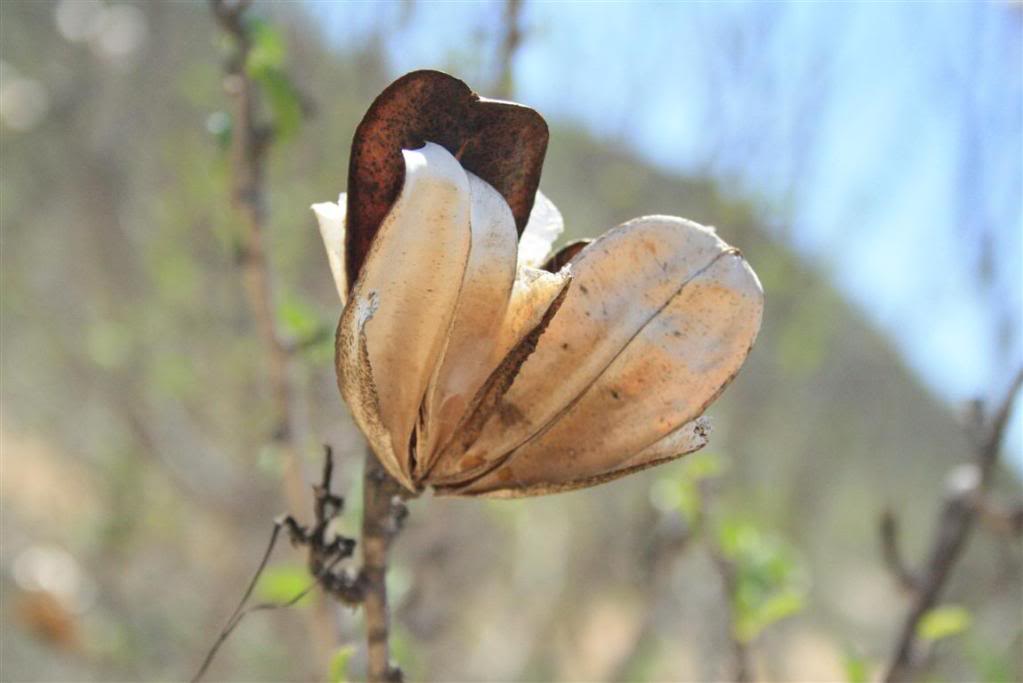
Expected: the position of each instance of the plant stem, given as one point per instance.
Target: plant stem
(382, 513)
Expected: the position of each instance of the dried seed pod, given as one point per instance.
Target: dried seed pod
(471, 369)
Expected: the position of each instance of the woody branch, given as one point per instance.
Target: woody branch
(966, 501)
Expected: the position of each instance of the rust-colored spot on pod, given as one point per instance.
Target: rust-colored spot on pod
(501, 142)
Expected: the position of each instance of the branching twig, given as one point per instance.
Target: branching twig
(967, 490)
(326, 552)
(238, 614)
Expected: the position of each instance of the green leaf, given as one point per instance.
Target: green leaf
(282, 583)
(774, 608)
(942, 622)
(298, 318)
(284, 100)
(769, 581)
(265, 66)
(338, 671)
(857, 668)
(268, 48)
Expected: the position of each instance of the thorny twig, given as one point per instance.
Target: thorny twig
(326, 551)
(384, 512)
(965, 501)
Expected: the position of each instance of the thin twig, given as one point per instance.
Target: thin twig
(325, 554)
(893, 555)
(968, 487)
(239, 613)
(235, 617)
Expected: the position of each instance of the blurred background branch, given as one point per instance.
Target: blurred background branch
(967, 487)
(513, 35)
(249, 145)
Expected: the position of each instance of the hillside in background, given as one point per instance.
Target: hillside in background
(135, 415)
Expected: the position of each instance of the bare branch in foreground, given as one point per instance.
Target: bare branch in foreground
(326, 552)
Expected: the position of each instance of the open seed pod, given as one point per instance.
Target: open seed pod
(476, 362)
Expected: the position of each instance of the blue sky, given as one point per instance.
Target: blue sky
(882, 139)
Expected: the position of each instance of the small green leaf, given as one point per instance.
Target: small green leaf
(267, 50)
(770, 584)
(857, 668)
(338, 672)
(942, 622)
(265, 66)
(284, 100)
(774, 608)
(298, 318)
(282, 583)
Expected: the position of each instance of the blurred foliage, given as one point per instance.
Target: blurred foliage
(769, 581)
(338, 672)
(135, 417)
(856, 667)
(942, 622)
(681, 488)
(281, 584)
(266, 66)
